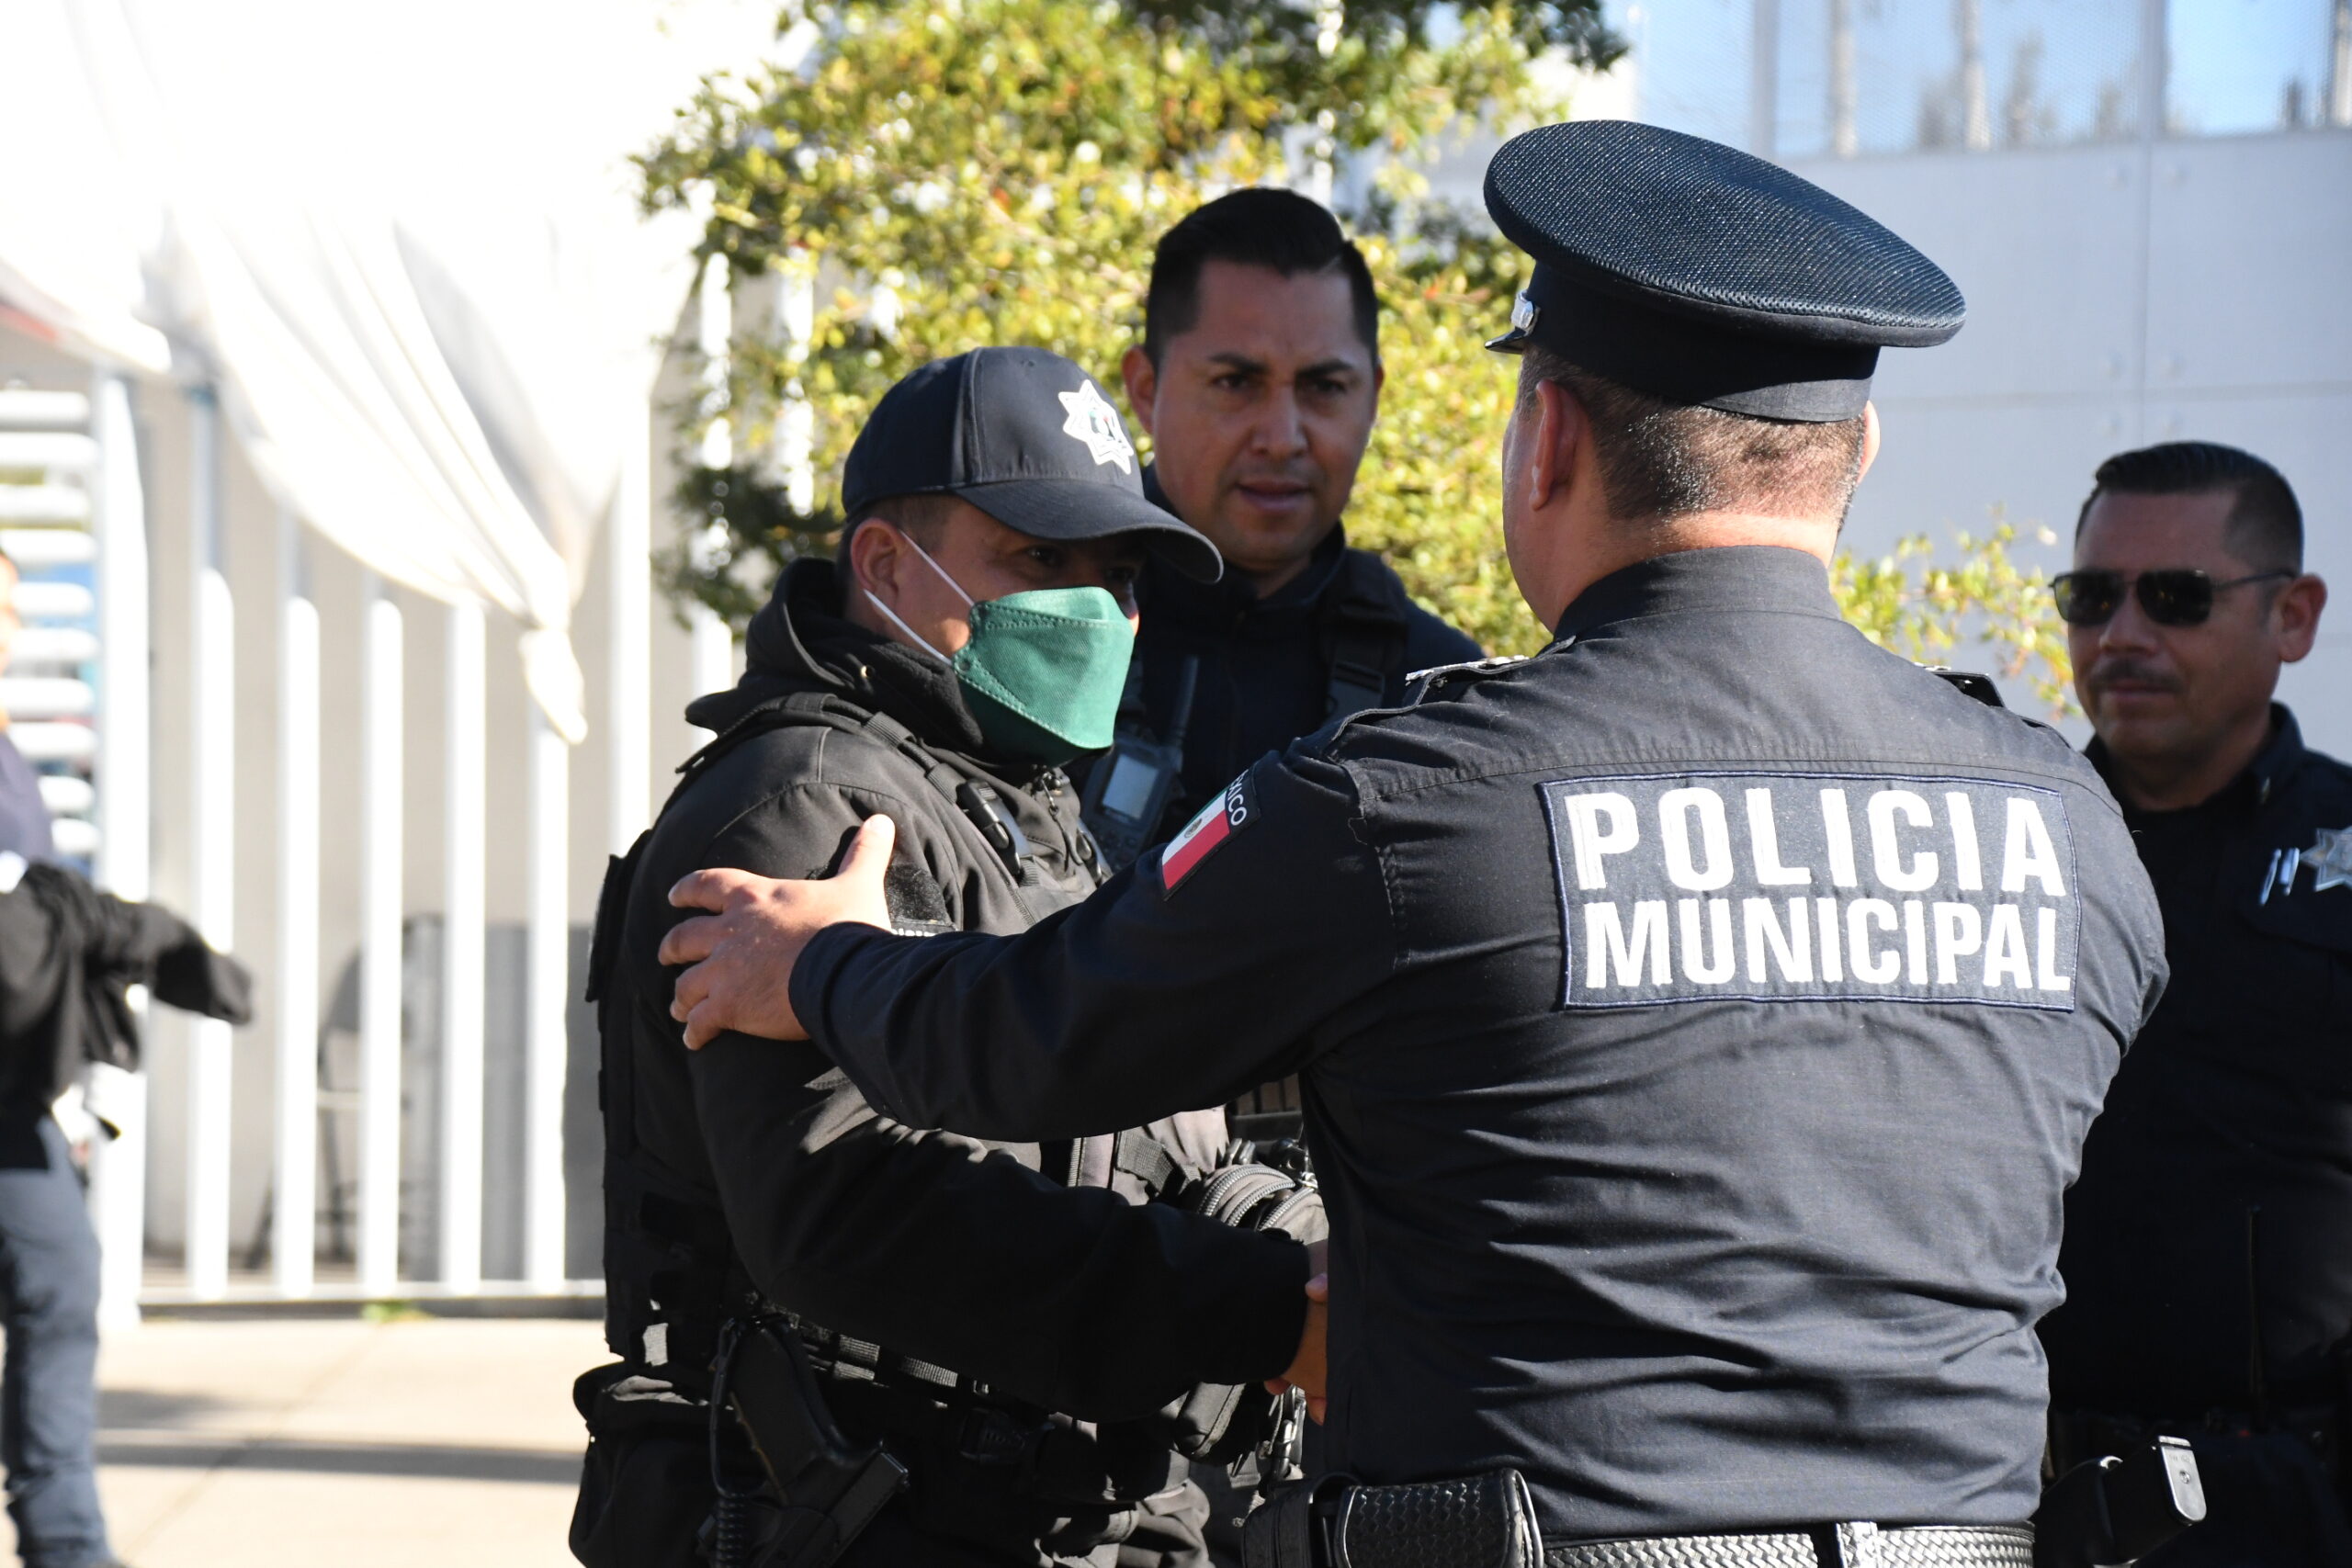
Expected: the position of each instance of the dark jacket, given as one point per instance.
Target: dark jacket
(1267, 666)
(2212, 1231)
(67, 953)
(972, 1256)
(1699, 1024)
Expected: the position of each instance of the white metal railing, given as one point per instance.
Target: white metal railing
(45, 527)
(88, 519)
(212, 829)
(294, 1216)
(118, 512)
(81, 710)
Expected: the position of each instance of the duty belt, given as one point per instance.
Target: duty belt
(1832, 1546)
(1488, 1521)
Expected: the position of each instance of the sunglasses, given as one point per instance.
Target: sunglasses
(2181, 596)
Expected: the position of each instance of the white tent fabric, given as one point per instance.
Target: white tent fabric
(435, 364)
(72, 230)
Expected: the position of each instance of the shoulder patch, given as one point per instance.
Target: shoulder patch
(1968, 683)
(1785, 886)
(1219, 821)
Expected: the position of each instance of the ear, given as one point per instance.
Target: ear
(1869, 441)
(876, 556)
(1143, 385)
(1561, 429)
(2297, 614)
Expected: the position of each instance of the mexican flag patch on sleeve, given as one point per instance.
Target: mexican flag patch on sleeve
(1219, 821)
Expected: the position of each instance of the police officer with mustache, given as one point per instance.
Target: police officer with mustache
(2209, 1244)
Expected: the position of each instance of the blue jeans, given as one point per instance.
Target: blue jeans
(48, 1390)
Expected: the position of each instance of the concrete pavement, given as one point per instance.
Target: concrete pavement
(341, 1443)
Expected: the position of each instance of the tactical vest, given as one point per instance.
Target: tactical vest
(988, 1468)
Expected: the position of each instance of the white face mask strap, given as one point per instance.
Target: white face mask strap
(913, 636)
(935, 566)
(916, 637)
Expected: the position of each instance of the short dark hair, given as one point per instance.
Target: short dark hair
(923, 516)
(2266, 523)
(1661, 459)
(1278, 229)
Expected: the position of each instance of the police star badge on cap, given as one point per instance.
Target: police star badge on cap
(1095, 424)
(1691, 271)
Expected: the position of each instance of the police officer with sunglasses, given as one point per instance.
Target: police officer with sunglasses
(2208, 1256)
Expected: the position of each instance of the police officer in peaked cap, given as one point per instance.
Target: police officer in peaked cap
(1699, 1021)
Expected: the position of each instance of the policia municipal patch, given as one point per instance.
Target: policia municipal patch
(1690, 888)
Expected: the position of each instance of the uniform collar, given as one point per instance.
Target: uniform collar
(2281, 756)
(1172, 595)
(1732, 578)
(800, 638)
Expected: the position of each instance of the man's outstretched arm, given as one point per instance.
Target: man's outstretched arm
(1074, 1299)
(1227, 960)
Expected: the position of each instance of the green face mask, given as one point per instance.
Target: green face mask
(1044, 671)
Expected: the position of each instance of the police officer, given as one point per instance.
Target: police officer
(1258, 379)
(1011, 1320)
(2209, 1244)
(1699, 1021)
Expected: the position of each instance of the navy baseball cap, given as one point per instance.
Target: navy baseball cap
(1693, 271)
(1027, 437)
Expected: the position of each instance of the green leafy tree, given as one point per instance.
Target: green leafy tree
(1986, 600)
(941, 178)
(998, 172)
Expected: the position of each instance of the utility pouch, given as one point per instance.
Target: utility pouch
(830, 1490)
(644, 1486)
(2118, 1510)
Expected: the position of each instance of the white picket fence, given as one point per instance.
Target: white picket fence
(74, 516)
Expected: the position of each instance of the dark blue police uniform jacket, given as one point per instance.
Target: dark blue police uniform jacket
(2212, 1232)
(1698, 1022)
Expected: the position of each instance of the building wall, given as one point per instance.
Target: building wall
(2119, 296)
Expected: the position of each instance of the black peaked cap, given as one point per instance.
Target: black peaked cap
(1695, 272)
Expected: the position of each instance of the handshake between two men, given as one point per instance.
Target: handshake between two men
(741, 958)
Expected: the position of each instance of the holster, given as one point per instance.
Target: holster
(828, 1490)
(2119, 1509)
(1471, 1521)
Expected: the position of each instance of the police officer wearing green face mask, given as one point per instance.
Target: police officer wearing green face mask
(965, 1304)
